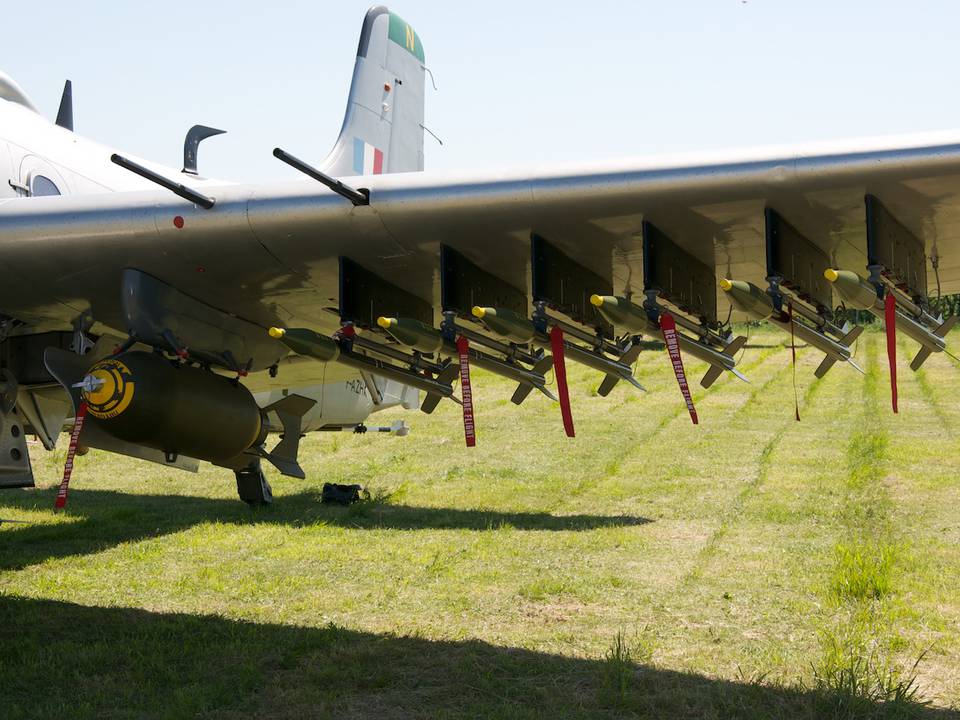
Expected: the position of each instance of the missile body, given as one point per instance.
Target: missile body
(416, 335)
(623, 313)
(412, 333)
(856, 291)
(526, 378)
(748, 298)
(807, 334)
(517, 329)
(593, 360)
(919, 333)
(307, 342)
(319, 347)
(438, 388)
(506, 324)
(708, 355)
(862, 295)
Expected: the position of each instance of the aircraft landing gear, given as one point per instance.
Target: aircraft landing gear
(252, 485)
(15, 470)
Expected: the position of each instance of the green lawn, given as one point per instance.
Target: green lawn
(749, 567)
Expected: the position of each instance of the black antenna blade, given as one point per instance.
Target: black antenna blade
(65, 113)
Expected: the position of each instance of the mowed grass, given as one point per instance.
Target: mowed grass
(750, 567)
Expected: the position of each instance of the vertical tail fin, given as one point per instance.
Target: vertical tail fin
(383, 127)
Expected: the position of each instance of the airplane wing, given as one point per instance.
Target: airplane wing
(270, 254)
(522, 266)
(292, 255)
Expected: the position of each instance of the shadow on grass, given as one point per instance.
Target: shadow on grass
(109, 518)
(65, 660)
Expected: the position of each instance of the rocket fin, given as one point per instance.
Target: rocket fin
(523, 389)
(715, 371)
(712, 374)
(430, 402)
(627, 358)
(735, 345)
(446, 377)
(521, 393)
(609, 382)
(825, 366)
(947, 326)
(851, 336)
(920, 359)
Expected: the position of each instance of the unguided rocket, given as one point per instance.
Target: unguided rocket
(861, 294)
(759, 305)
(424, 338)
(623, 313)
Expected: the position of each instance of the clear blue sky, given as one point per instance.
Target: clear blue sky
(519, 82)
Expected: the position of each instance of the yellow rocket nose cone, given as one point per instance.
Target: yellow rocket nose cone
(276, 332)
(385, 322)
(831, 274)
(725, 284)
(478, 311)
(596, 300)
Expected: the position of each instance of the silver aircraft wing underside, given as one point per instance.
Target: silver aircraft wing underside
(269, 253)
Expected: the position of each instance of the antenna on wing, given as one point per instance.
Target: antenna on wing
(191, 145)
(65, 113)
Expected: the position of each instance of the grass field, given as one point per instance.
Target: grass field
(750, 567)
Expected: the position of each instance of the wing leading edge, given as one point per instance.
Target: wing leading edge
(269, 254)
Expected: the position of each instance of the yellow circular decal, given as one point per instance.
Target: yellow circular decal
(110, 389)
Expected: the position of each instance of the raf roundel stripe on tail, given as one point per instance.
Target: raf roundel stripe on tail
(367, 160)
